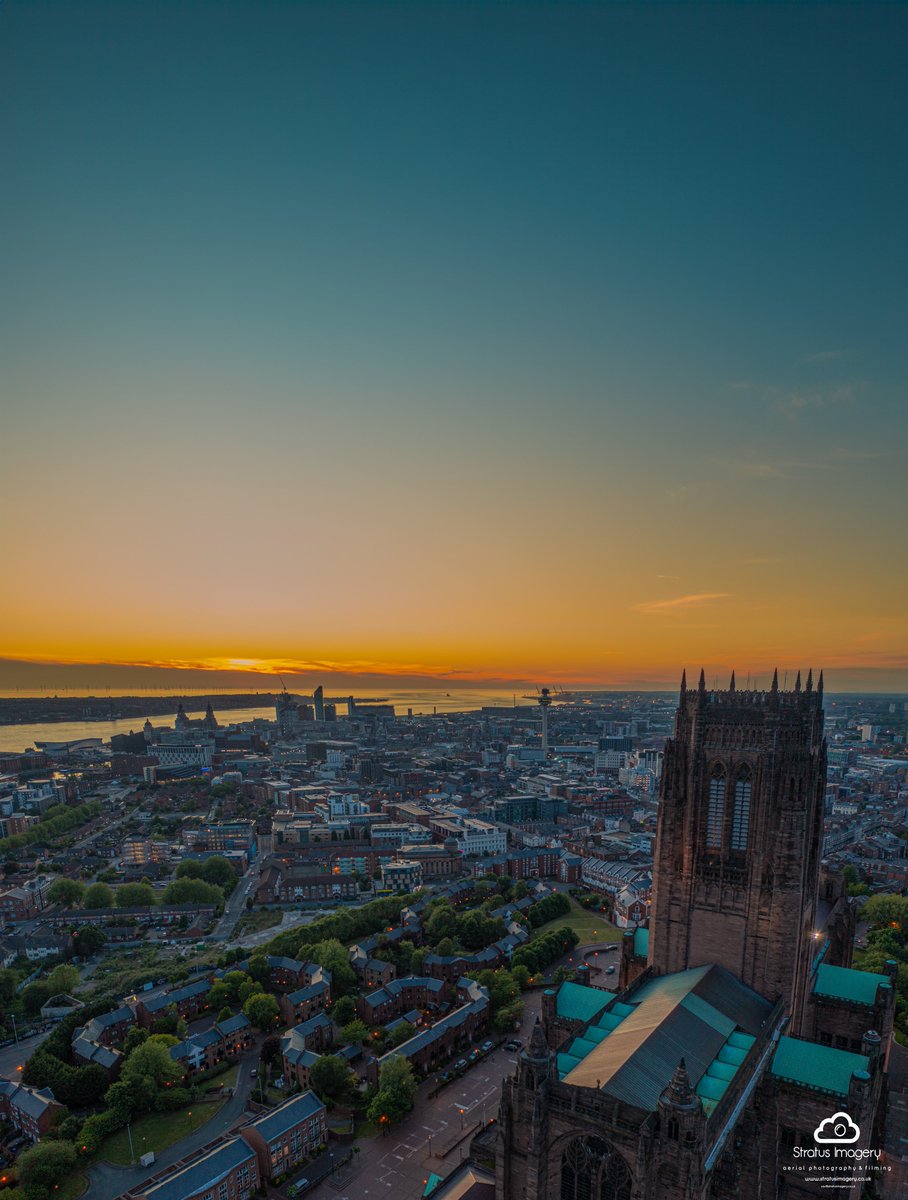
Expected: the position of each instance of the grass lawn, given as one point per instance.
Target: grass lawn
(156, 1131)
(255, 922)
(590, 927)
(72, 1187)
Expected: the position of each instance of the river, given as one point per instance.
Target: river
(16, 738)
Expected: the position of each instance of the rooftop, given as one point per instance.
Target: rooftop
(816, 1066)
(635, 1047)
(843, 983)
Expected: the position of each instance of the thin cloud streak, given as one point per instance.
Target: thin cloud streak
(680, 603)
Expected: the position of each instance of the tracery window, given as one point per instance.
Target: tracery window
(740, 824)
(592, 1170)
(715, 817)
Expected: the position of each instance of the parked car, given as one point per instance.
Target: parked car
(610, 970)
(460, 1065)
(486, 1047)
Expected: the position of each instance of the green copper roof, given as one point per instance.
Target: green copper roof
(641, 942)
(432, 1183)
(566, 1063)
(816, 1066)
(846, 984)
(691, 1014)
(579, 1003)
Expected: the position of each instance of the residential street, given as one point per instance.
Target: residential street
(434, 1137)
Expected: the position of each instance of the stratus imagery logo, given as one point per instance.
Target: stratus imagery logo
(835, 1137)
(838, 1129)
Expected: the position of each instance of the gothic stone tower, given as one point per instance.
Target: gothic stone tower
(737, 857)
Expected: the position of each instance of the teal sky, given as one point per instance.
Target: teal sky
(486, 338)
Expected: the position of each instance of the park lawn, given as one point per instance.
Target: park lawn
(590, 927)
(156, 1131)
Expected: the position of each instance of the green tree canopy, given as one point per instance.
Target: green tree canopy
(44, 1166)
(334, 956)
(192, 891)
(262, 1010)
(98, 895)
(68, 892)
(136, 895)
(331, 1078)
(354, 1031)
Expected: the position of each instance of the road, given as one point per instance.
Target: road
(12, 1057)
(236, 905)
(396, 1166)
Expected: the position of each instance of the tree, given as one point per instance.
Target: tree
(190, 868)
(271, 1050)
(89, 940)
(35, 995)
(344, 1010)
(334, 957)
(136, 1036)
(68, 892)
(258, 967)
(331, 1078)
(225, 1014)
(63, 978)
(221, 994)
(44, 1166)
(441, 924)
(150, 1064)
(9, 981)
(389, 1106)
(262, 1010)
(98, 895)
(193, 891)
(354, 1031)
(135, 895)
(217, 870)
(402, 1033)
(251, 987)
(119, 1099)
(397, 1072)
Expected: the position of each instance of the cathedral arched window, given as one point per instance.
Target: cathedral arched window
(740, 824)
(592, 1170)
(715, 816)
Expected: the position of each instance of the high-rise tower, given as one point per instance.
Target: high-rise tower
(736, 867)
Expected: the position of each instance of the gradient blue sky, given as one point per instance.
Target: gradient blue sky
(513, 341)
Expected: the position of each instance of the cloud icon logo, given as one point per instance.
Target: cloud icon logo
(837, 1128)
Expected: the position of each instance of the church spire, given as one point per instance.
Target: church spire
(810, 680)
(731, 685)
(775, 681)
(679, 1093)
(701, 686)
(798, 682)
(820, 686)
(684, 681)
(538, 1047)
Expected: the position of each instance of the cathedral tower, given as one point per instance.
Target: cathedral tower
(737, 859)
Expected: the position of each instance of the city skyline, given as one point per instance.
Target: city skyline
(453, 345)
